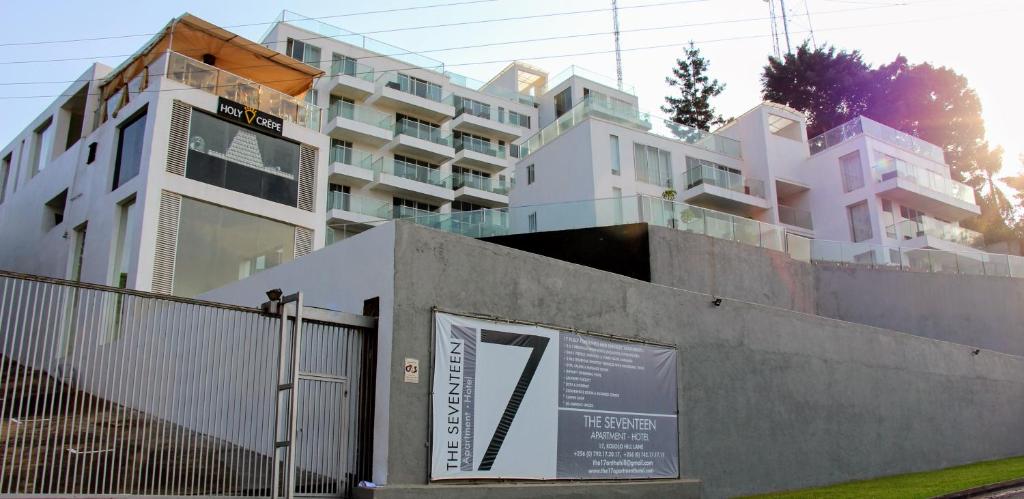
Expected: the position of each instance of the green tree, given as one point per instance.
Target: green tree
(693, 105)
(933, 103)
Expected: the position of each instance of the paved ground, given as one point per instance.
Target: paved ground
(1014, 493)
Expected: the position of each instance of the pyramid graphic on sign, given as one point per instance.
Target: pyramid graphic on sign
(245, 150)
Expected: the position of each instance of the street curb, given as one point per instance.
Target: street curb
(963, 494)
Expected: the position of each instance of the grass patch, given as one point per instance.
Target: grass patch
(917, 485)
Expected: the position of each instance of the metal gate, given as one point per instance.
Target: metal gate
(107, 391)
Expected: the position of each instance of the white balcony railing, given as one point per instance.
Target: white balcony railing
(928, 226)
(894, 168)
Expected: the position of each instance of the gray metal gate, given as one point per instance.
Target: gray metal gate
(107, 391)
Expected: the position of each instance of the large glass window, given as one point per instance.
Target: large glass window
(309, 54)
(420, 87)
(127, 230)
(853, 174)
(42, 146)
(563, 101)
(652, 165)
(217, 246)
(613, 142)
(860, 222)
(5, 173)
(243, 160)
(522, 120)
(129, 149)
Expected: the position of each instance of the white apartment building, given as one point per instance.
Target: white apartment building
(862, 182)
(206, 157)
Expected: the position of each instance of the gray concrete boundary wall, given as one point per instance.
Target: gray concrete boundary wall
(770, 398)
(980, 311)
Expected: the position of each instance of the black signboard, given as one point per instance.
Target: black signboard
(250, 116)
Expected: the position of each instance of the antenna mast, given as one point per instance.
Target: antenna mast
(618, 48)
(785, 25)
(775, 28)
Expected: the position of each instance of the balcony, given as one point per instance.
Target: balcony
(481, 190)
(723, 190)
(932, 233)
(356, 123)
(411, 96)
(471, 151)
(353, 166)
(796, 217)
(861, 125)
(421, 140)
(352, 79)
(201, 76)
(348, 208)
(472, 117)
(418, 182)
(627, 115)
(926, 190)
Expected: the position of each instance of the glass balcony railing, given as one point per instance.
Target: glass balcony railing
(610, 109)
(195, 74)
(353, 157)
(893, 168)
(480, 146)
(409, 212)
(409, 85)
(418, 173)
(423, 131)
(358, 204)
(706, 174)
(862, 125)
(361, 114)
(348, 67)
(697, 220)
(472, 84)
(928, 226)
(475, 181)
(795, 217)
(571, 71)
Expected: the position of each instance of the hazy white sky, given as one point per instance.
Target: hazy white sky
(970, 36)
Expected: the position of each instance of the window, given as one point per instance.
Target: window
(129, 149)
(465, 206)
(309, 54)
(888, 219)
(614, 151)
(415, 127)
(92, 154)
(860, 222)
(79, 253)
(853, 174)
(417, 169)
(5, 173)
(42, 146)
(515, 118)
(234, 157)
(470, 106)
(341, 151)
(55, 209)
(341, 106)
(127, 232)
(532, 222)
(617, 194)
(652, 165)
(218, 245)
(563, 101)
(343, 65)
(312, 96)
(75, 111)
(530, 177)
(339, 197)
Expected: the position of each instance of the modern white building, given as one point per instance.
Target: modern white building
(205, 158)
(862, 182)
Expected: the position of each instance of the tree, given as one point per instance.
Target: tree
(933, 103)
(693, 106)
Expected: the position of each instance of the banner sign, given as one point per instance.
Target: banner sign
(250, 116)
(522, 401)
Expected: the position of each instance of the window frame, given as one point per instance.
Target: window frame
(141, 114)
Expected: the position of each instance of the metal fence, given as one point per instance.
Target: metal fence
(108, 391)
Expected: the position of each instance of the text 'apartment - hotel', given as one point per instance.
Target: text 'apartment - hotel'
(205, 158)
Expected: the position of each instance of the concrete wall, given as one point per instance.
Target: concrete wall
(725, 268)
(770, 399)
(973, 310)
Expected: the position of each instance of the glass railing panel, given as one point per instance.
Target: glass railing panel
(996, 264)
(944, 261)
(826, 251)
(970, 262)
(362, 114)
(1016, 264)
(886, 169)
(353, 157)
(358, 204)
(348, 67)
(474, 181)
(746, 231)
(917, 260)
(795, 217)
(798, 247)
(409, 85)
(836, 135)
(903, 140)
(230, 86)
(718, 225)
(480, 146)
(773, 237)
(418, 173)
(423, 131)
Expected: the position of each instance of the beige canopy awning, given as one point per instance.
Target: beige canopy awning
(194, 37)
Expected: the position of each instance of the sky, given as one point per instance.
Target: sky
(969, 36)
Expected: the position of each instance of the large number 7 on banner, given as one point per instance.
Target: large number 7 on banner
(537, 344)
